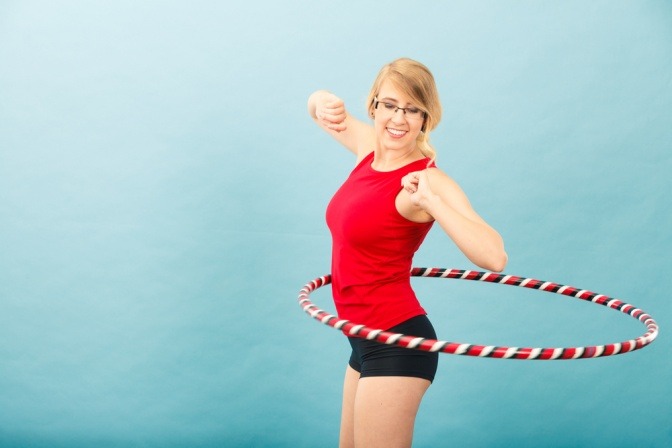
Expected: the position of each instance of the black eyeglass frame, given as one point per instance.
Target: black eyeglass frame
(376, 102)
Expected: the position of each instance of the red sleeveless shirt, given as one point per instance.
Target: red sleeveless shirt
(373, 247)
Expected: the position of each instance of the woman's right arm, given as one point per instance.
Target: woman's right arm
(328, 111)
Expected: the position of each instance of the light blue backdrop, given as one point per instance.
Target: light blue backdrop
(162, 193)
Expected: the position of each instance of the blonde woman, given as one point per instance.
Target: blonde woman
(378, 219)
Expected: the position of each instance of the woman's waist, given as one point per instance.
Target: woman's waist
(399, 287)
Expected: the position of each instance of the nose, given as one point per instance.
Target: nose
(399, 115)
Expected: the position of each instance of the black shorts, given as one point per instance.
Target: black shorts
(371, 358)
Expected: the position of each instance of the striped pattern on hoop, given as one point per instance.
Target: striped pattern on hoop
(489, 351)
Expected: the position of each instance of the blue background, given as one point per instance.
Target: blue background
(162, 196)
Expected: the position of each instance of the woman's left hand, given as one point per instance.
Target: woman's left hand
(417, 185)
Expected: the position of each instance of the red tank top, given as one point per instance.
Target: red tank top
(373, 247)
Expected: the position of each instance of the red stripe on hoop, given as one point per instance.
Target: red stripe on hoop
(551, 287)
(491, 277)
(615, 304)
(523, 353)
(365, 332)
(568, 353)
(476, 350)
(534, 284)
(427, 344)
(470, 275)
(384, 337)
(588, 295)
(609, 350)
(627, 308)
(435, 272)
(499, 352)
(451, 347)
(570, 291)
(405, 341)
(602, 300)
(546, 353)
(513, 280)
(589, 352)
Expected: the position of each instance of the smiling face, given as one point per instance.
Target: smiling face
(396, 129)
(409, 83)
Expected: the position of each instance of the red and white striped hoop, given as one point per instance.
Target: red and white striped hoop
(454, 348)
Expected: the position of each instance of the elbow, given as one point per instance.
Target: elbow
(489, 254)
(495, 262)
(499, 263)
(499, 258)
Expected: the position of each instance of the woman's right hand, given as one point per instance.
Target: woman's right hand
(330, 111)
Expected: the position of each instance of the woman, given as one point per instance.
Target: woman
(378, 219)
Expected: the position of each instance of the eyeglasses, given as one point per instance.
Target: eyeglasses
(412, 113)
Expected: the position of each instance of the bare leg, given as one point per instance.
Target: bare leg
(347, 436)
(385, 410)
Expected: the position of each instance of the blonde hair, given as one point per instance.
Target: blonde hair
(417, 82)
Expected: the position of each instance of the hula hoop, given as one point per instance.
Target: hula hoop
(489, 351)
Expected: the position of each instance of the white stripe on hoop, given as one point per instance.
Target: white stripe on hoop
(486, 350)
(373, 334)
(483, 277)
(510, 352)
(611, 303)
(394, 338)
(437, 346)
(338, 325)
(556, 353)
(326, 318)
(415, 342)
(599, 297)
(354, 330)
(462, 348)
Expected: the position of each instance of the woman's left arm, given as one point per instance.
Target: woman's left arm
(443, 199)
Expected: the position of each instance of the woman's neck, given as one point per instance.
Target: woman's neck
(389, 159)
